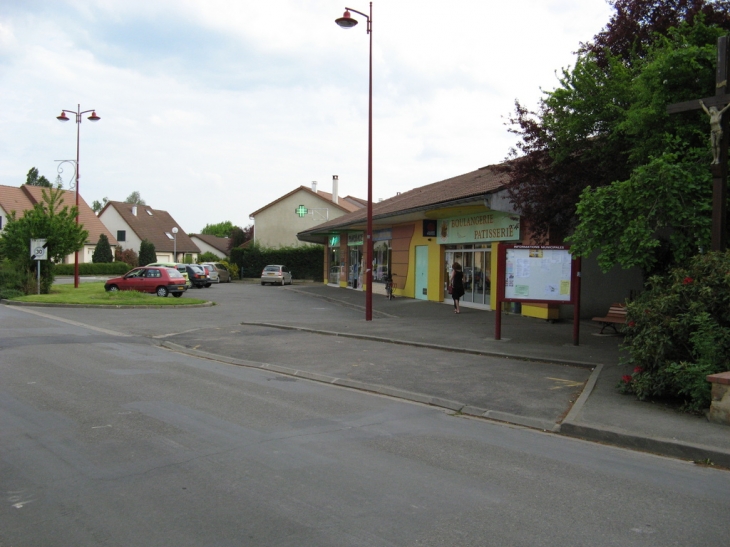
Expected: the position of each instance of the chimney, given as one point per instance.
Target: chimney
(335, 182)
(134, 210)
(314, 186)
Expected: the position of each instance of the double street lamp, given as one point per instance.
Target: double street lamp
(346, 21)
(63, 118)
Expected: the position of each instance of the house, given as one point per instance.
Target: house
(24, 198)
(133, 223)
(419, 234)
(277, 224)
(211, 244)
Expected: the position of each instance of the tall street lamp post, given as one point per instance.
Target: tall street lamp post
(346, 21)
(63, 118)
(174, 244)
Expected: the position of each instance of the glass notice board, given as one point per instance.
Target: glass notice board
(538, 273)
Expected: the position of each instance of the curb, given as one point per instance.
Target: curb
(455, 406)
(614, 437)
(427, 345)
(102, 306)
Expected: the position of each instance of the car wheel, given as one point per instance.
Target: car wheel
(112, 288)
(207, 285)
(177, 294)
(262, 283)
(162, 291)
(282, 281)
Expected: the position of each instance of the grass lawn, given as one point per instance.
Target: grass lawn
(94, 294)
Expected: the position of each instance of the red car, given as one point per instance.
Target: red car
(156, 280)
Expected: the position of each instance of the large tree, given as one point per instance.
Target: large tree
(239, 236)
(135, 198)
(51, 220)
(34, 179)
(605, 127)
(222, 229)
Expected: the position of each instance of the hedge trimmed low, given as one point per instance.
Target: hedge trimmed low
(89, 268)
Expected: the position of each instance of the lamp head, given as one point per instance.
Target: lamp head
(174, 230)
(346, 21)
(62, 117)
(93, 117)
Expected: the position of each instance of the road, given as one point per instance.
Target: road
(108, 439)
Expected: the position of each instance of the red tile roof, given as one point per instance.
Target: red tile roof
(153, 225)
(24, 198)
(342, 204)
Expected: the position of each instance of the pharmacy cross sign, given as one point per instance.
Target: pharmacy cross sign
(301, 211)
(714, 107)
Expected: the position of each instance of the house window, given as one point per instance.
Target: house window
(121, 235)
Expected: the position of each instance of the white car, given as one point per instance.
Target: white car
(276, 273)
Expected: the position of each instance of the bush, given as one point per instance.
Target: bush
(147, 253)
(208, 257)
(103, 251)
(128, 256)
(89, 268)
(678, 332)
(12, 279)
(305, 262)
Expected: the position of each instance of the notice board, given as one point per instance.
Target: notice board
(538, 274)
(545, 274)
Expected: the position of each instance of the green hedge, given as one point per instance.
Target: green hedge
(304, 262)
(89, 268)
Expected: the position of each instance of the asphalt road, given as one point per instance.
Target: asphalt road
(108, 439)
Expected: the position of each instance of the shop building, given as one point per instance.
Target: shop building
(419, 234)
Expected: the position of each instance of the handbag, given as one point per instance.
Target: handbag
(450, 289)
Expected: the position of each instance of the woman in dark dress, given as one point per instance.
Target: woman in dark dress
(457, 285)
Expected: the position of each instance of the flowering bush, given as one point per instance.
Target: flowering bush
(678, 332)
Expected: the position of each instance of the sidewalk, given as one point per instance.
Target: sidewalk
(601, 413)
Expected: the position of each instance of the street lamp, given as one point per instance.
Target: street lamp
(64, 118)
(346, 21)
(174, 244)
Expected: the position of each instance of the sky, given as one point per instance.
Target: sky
(211, 109)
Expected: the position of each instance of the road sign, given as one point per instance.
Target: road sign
(38, 249)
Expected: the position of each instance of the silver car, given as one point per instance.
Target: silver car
(276, 274)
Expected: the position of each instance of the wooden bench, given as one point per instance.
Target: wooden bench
(616, 316)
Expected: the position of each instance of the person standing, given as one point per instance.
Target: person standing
(457, 285)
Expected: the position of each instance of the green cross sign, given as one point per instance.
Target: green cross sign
(301, 211)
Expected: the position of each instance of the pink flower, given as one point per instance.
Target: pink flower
(638, 370)
(626, 378)
(687, 281)
(632, 324)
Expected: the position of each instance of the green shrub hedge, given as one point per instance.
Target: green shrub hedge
(304, 262)
(678, 332)
(89, 268)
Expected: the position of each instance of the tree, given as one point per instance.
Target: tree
(51, 220)
(103, 251)
(33, 179)
(97, 206)
(239, 236)
(222, 229)
(135, 198)
(606, 124)
(147, 254)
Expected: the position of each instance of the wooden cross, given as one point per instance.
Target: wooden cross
(719, 170)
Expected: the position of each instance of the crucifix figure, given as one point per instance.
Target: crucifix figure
(715, 129)
(715, 107)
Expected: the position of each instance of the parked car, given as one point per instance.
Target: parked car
(198, 276)
(224, 276)
(179, 267)
(276, 273)
(156, 280)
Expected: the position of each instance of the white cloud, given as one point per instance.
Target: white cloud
(213, 109)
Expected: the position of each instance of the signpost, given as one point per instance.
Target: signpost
(546, 274)
(38, 251)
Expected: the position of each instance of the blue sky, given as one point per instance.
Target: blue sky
(212, 109)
